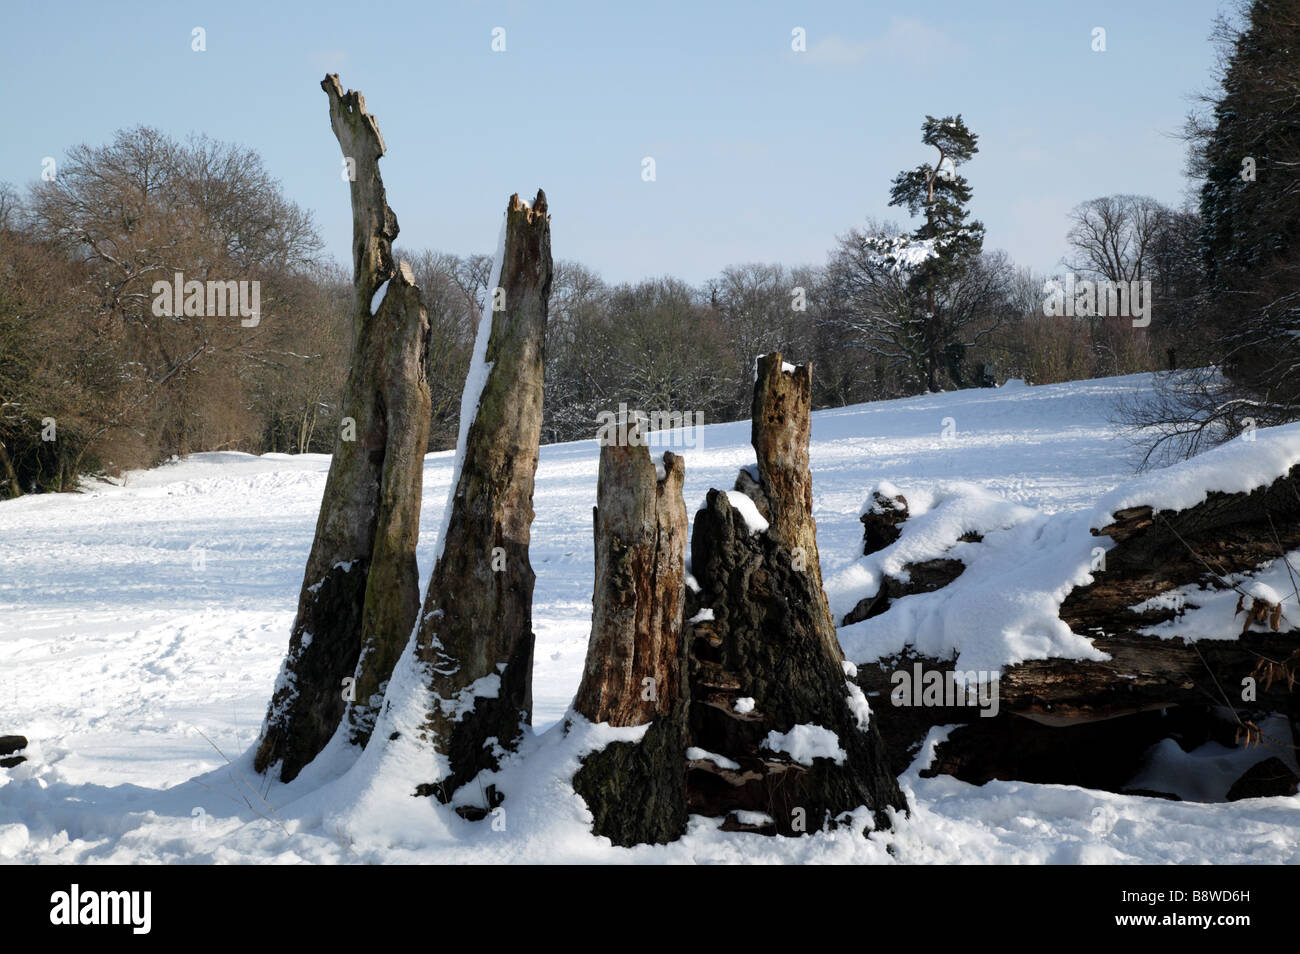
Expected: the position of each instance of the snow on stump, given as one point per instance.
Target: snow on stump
(475, 634)
(635, 668)
(882, 520)
(781, 740)
(360, 593)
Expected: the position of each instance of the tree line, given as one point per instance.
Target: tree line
(96, 378)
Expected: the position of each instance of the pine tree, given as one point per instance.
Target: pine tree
(1250, 205)
(923, 297)
(941, 194)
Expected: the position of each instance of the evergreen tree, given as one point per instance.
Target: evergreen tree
(922, 298)
(1250, 205)
(1246, 148)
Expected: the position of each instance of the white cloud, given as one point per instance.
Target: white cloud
(905, 39)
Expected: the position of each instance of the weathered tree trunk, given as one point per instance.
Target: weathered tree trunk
(768, 663)
(476, 627)
(780, 427)
(635, 669)
(15, 489)
(360, 592)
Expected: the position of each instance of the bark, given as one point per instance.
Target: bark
(881, 522)
(636, 665)
(11, 748)
(925, 576)
(360, 592)
(780, 429)
(15, 489)
(772, 641)
(475, 631)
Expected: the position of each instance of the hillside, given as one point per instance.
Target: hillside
(142, 627)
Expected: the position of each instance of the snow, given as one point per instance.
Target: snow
(885, 489)
(1253, 459)
(786, 368)
(1003, 608)
(696, 754)
(1207, 772)
(754, 521)
(1000, 611)
(902, 253)
(475, 380)
(1263, 592)
(806, 742)
(144, 677)
(1208, 614)
(378, 297)
(744, 705)
(489, 687)
(858, 703)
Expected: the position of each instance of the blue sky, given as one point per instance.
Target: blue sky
(761, 153)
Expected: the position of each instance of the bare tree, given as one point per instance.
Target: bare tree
(146, 208)
(1114, 236)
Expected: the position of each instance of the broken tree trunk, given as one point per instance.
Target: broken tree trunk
(360, 592)
(780, 427)
(475, 630)
(789, 745)
(635, 669)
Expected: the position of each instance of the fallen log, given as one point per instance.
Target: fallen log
(1212, 547)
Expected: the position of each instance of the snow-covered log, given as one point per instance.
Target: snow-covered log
(1191, 602)
(475, 634)
(360, 593)
(635, 668)
(781, 740)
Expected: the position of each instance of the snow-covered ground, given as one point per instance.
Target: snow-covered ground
(142, 627)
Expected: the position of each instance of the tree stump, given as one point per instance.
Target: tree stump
(635, 668)
(475, 633)
(11, 748)
(785, 742)
(360, 592)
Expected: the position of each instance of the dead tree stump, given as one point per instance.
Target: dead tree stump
(11, 748)
(475, 634)
(636, 660)
(787, 742)
(360, 592)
